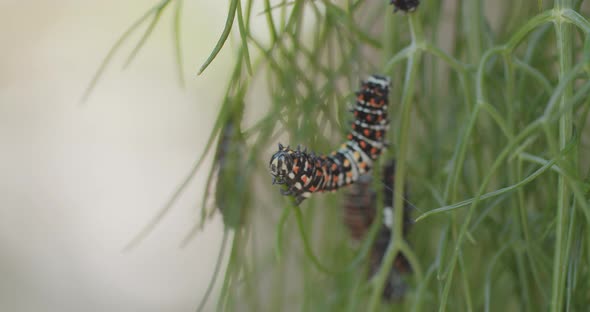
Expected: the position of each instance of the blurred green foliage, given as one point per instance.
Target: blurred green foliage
(489, 106)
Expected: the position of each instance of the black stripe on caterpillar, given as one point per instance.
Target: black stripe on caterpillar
(305, 173)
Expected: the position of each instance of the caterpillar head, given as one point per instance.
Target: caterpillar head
(281, 163)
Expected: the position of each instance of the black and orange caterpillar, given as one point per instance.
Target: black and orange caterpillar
(360, 213)
(305, 173)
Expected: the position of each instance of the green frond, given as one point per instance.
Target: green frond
(490, 102)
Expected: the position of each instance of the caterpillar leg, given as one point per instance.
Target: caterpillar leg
(278, 181)
(298, 198)
(301, 197)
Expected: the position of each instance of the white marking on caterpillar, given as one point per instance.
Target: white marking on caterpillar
(388, 217)
(383, 82)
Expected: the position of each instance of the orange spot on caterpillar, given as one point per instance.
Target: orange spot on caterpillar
(363, 144)
(367, 132)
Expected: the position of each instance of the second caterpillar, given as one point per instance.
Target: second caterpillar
(305, 173)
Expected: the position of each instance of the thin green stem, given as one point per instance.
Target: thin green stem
(564, 38)
(216, 271)
(396, 240)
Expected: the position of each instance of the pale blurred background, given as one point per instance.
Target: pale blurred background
(78, 181)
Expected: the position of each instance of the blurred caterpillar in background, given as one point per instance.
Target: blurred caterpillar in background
(405, 5)
(232, 169)
(360, 212)
(305, 173)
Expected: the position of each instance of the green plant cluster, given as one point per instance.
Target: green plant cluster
(489, 105)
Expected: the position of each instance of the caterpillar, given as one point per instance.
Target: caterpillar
(305, 173)
(360, 213)
(405, 5)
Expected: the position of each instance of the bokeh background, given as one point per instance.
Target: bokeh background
(79, 180)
